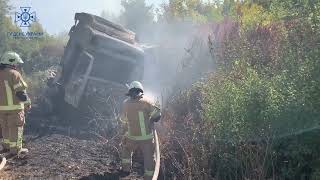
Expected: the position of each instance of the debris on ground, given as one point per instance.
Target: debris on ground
(61, 157)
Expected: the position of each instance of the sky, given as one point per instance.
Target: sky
(57, 15)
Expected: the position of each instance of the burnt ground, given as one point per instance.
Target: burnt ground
(55, 154)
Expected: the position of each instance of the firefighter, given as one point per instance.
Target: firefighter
(138, 115)
(13, 101)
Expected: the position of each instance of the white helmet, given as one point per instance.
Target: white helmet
(11, 58)
(137, 85)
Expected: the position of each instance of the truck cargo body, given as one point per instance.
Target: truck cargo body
(99, 59)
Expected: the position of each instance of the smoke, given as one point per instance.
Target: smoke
(179, 57)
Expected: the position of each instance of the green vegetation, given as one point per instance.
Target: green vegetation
(190, 10)
(257, 116)
(268, 76)
(39, 54)
(136, 15)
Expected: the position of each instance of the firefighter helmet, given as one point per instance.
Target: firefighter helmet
(11, 58)
(136, 85)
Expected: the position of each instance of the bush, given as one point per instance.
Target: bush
(266, 89)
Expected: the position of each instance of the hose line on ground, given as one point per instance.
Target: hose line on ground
(157, 165)
(3, 162)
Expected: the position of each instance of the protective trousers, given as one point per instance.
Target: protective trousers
(146, 147)
(12, 130)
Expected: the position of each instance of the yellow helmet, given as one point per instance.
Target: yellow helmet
(11, 58)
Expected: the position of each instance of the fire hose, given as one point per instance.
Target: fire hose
(3, 162)
(157, 165)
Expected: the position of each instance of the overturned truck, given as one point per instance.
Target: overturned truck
(99, 59)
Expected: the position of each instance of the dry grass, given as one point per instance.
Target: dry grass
(190, 151)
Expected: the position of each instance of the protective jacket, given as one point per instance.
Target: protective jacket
(137, 115)
(11, 85)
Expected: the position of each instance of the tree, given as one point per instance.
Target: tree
(180, 10)
(191, 10)
(3, 11)
(3, 7)
(136, 15)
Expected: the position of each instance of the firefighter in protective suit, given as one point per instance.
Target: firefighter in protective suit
(138, 114)
(13, 101)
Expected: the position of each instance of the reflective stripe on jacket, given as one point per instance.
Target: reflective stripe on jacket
(136, 113)
(11, 82)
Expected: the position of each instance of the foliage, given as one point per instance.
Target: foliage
(241, 122)
(266, 87)
(4, 8)
(254, 15)
(268, 78)
(298, 155)
(190, 10)
(136, 14)
(39, 54)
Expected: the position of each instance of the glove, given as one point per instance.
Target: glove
(22, 96)
(155, 119)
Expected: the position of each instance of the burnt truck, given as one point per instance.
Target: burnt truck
(100, 58)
